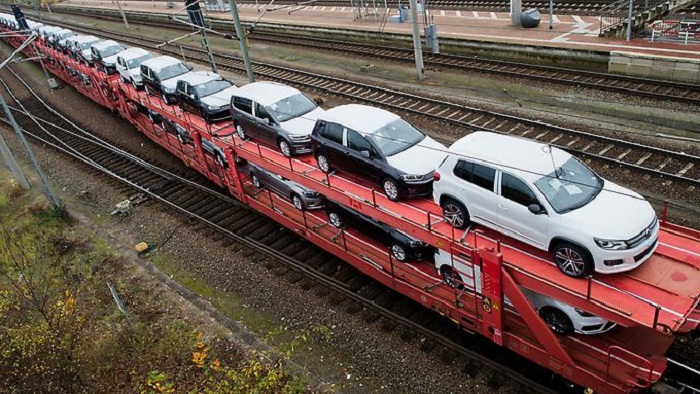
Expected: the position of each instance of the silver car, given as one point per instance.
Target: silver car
(300, 196)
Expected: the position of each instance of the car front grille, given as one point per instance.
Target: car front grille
(646, 251)
(643, 235)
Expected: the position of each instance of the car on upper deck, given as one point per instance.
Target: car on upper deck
(276, 114)
(206, 94)
(377, 144)
(160, 76)
(545, 197)
(129, 65)
(104, 55)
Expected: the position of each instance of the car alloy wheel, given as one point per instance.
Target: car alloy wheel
(220, 160)
(398, 252)
(455, 213)
(571, 260)
(255, 180)
(557, 320)
(241, 132)
(391, 189)
(298, 203)
(451, 278)
(335, 220)
(322, 162)
(284, 148)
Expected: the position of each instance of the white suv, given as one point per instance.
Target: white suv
(547, 198)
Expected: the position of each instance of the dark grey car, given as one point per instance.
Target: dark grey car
(302, 197)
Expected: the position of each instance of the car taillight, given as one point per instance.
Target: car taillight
(436, 176)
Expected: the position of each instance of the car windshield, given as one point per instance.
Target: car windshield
(87, 45)
(172, 71)
(396, 136)
(66, 34)
(133, 63)
(109, 51)
(291, 107)
(208, 88)
(571, 186)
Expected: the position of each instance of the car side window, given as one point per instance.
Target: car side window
(333, 132)
(144, 70)
(477, 174)
(243, 104)
(516, 190)
(261, 112)
(189, 90)
(357, 142)
(464, 170)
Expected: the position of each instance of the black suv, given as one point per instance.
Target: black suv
(206, 94)
(403, 247)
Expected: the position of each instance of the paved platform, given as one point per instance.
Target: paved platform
(568, 31)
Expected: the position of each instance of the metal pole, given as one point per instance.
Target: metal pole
(205, 42)
(54, 199)
(551, 13)
(417, 49)
(12, 164)
(126, 23)
(242, 39)
(516, 10)
(628, 35)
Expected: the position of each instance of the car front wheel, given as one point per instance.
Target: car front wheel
(399, 252)
(298, 202)
(255, 180)
(241, 132)
(335, 219)
(557, 320)
(285, 148)
(455, 213)
(391, 189)
(322, 162)
(451, 277)
(572, 260)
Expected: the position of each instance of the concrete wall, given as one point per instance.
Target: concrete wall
(655, 67)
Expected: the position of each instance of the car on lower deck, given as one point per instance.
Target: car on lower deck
(376, 144)
(301, 197)
(185, 138)
(544, 197)
(457, 272)
(402, 247)
(276, 114)
(206, 94)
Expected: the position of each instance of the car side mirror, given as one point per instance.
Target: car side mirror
(536, 209)
(365, 153)
(270, 121)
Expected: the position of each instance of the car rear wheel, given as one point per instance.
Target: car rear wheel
(557, 320)
(335, 219)
(322, 162)
(298, 202)
(451, 278)
(220, 161)
(391, 189)
(285, 148)
(241, 132)
(399, 252)
(572, 260)
(255, 180)
(455, 213)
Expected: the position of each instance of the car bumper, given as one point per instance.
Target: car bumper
(615, 261)
(595, 326)
(313, 202)
(421, 253)
(110, 69)
(219, 115)
(301, 147)
(417, 189)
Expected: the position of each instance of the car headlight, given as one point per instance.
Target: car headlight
(169, 90)
(411, 178)
(583, 313)
(310, 194)
(416, 243)
(611, 244)
(215, 107)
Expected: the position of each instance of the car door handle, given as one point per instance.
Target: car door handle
(502, 207)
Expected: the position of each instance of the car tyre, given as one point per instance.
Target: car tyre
(165, 98)
(335, 219)
(220, 160)
(241, 133)
(135, 85)
(255, 180)
(572, 260)
(455, 213)
(398, 251)
(451, 278)
(298, 202)
(391, 189)
(557, 320)
(284, 147)
(323, 164)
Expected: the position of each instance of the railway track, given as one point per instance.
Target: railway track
(304, 262)
(642, 87)
(650, 160)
